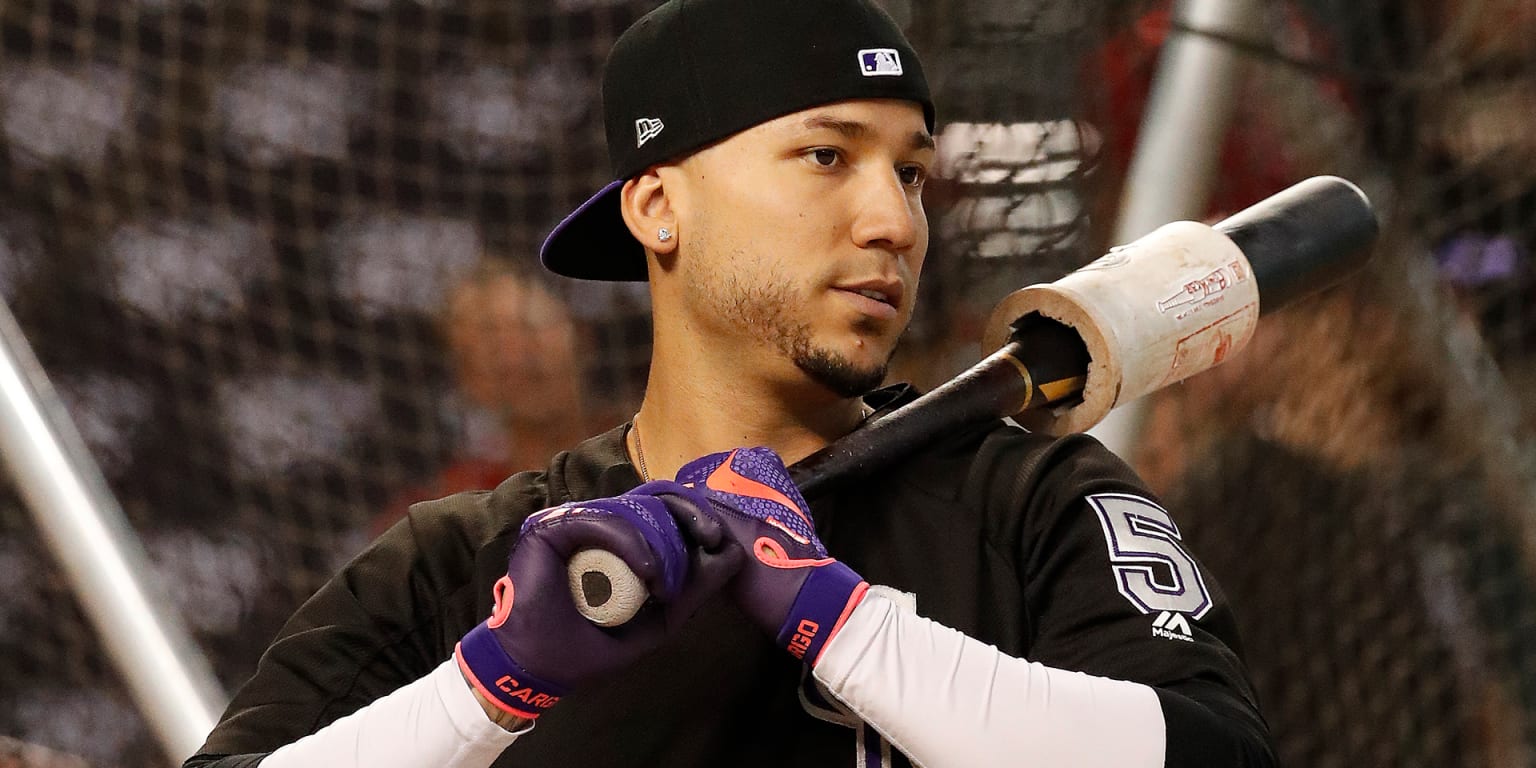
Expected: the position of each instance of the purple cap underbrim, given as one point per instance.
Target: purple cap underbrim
(592, 243)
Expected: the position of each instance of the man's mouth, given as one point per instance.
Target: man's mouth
(876, 295)
(876, 298)
(882, 290)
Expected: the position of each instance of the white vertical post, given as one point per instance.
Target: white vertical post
(84, 526)
(1178, 147)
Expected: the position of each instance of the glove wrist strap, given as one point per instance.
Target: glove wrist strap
(828, 596)
(500, 679)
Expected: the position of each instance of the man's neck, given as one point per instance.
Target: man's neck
(683, 418)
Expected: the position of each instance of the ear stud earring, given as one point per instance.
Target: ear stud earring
(663, 234)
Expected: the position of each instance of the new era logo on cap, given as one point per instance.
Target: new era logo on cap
(878, 62)
(647, 128)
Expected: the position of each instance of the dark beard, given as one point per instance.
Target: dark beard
(836, 373)
(793, 339)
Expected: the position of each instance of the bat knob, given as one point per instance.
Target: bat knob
(606, 591)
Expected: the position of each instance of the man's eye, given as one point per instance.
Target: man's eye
(912, 175)
(824, 157)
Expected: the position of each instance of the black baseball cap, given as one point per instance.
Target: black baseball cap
(694, 72)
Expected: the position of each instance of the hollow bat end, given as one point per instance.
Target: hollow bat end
(607, 593)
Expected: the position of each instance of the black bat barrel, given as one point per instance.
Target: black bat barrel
(1304, 238)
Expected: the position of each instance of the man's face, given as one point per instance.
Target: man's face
(803, 238)
(513, 347)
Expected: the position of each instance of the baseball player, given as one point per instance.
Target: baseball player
(1001, 598)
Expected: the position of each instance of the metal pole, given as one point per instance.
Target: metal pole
(84, 526)
(1178, 147)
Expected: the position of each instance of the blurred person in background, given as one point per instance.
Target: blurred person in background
(1366, 425)
(15, 753)
(1470, 130)
(515, 349)
(1403, 595)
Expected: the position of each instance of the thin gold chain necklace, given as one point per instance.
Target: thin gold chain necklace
(634, 429)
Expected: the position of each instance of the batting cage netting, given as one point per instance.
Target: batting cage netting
(278, 258)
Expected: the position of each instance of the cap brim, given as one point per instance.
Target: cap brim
(592, 243)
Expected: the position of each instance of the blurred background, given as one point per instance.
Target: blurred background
(279, 261)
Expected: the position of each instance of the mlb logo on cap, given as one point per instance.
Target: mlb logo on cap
(876, 62)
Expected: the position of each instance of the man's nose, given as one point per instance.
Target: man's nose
(887, 214)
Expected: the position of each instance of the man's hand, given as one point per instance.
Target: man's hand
(536, 647)
(788, 584)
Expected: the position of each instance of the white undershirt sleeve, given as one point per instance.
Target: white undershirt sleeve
(945, 699)
(434, 722)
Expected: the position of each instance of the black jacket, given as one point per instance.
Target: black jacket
(990, 531)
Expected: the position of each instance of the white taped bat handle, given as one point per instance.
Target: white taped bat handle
(607, 592)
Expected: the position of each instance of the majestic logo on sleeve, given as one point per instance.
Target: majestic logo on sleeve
(647, 128)
(1172, 626)
(880, 62)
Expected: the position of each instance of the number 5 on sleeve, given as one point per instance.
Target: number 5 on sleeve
(1152, 570)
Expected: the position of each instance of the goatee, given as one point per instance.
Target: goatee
(837, 373)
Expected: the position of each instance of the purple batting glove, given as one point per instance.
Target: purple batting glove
(536, 646)
(788, 584)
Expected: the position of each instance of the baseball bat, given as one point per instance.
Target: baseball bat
(1176, 302)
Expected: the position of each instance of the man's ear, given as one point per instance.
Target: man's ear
(647, 211)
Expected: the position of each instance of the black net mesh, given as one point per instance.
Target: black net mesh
(244, 240)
